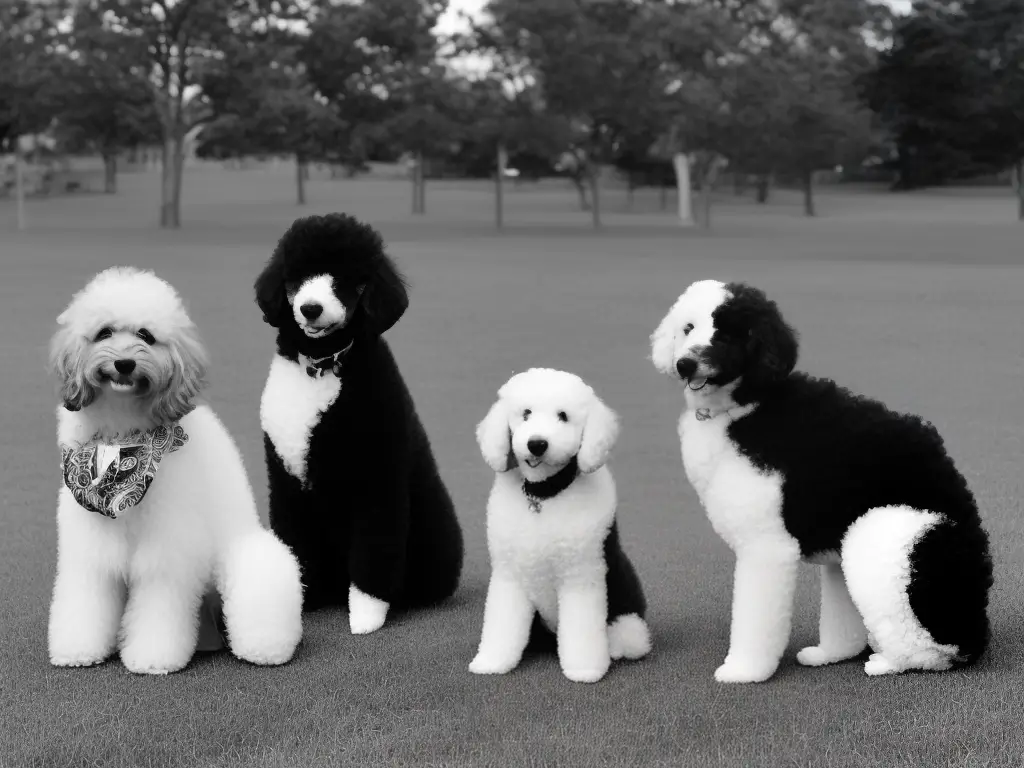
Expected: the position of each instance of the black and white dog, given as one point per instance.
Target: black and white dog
(790, 468)
(354, 488)
(551, 531)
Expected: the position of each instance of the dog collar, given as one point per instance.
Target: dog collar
(707, 414)
(110, 478)
(317, 368)
(536, 492)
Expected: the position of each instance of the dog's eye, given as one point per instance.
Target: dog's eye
(687, 328)
(563, 416)
(526, 414)
(146, 336)
(105, 333)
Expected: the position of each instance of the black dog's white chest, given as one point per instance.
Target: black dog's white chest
(292, 405)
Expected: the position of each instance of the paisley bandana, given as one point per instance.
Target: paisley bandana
(110, 478)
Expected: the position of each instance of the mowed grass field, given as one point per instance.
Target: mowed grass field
(913, 299)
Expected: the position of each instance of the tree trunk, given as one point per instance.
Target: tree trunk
(110, 173)
(595, 199)
(763, 188)
(300, 180)
(170, 184)
(1020, 189)
(664, 197)
(630, 190)
(681, 164)
(581, 188)
(707, 186)
(19, 182)
(418, 185)
(809, 193)
(499, 188)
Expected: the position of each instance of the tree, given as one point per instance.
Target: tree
(949, 89)
(181, 39)
(103, 106)
(596, 65)
(376, 63)
(265, 105)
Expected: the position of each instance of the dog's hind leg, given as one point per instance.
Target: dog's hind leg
(841, 632)
(628, 634)
(879, 557)
(262, 592)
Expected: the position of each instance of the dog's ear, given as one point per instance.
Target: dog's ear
(663, 343)
(494, 436)
(67, 361)
(270, 290)
(772, 345)
(600, 432)
(187, 378)
(385, 296)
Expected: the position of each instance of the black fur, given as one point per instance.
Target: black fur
(841, 454)
(378, 514)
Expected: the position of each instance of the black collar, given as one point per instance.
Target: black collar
(318, 368)
(552, 486)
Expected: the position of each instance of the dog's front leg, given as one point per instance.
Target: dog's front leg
(85, 612)
(380, 536)
(841, 632)
(583, 629)
(762, 612)
(508, 614)
(161, 622)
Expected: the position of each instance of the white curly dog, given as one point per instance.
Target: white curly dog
(138, 549)
(551, 531)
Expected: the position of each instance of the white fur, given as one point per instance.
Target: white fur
(876, 560)
(744, 507)
(670, 340)
(551, 562)
(291, 406)
(366, 613)
(136, 582)
(318, 290)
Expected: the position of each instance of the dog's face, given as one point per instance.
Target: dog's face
(718, 334)
(126, 337)
(542, 420)
(329, 273)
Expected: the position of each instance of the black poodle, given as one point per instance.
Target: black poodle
(354, 488)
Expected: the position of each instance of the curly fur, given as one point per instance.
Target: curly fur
(136, 583)
(354, 486)
(790, 467)
(559, 558)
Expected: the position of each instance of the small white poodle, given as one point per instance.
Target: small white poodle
(551, 531)
(138, 548)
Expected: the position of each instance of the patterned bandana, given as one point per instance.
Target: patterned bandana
(110, 478)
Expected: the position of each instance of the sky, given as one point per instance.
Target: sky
(449, 21)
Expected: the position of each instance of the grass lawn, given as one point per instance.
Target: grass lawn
(914, 299)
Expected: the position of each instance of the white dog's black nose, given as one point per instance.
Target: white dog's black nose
(124, 366)
(686, 368)
(537, 446)
(311, 310)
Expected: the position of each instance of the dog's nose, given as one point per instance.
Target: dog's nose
(686, 367)
(537, 446)
(124, 366)
(311, 310)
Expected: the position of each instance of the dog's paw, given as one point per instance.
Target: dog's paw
(585, 674)
(877, 664)
(487, 665)
(366, 613)
(629, 637)
(69, 658)
(144, 661)
(737, 671)
(816, 656)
